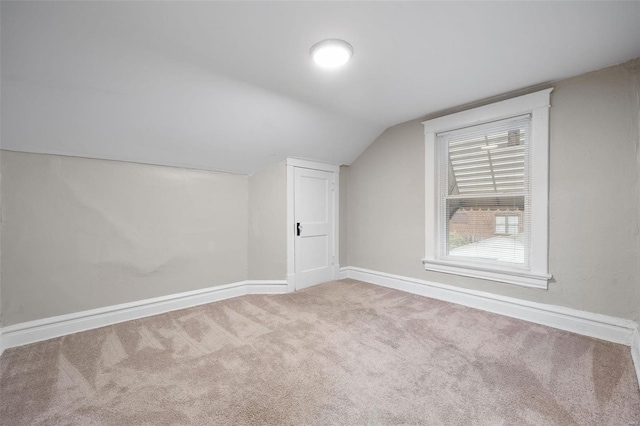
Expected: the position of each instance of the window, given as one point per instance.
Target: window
(487, 191)
(507, 224)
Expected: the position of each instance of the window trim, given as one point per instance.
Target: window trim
(537, 104)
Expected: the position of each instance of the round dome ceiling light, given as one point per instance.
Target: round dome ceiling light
(331, 53)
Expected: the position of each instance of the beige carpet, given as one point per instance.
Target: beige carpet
(344, 353)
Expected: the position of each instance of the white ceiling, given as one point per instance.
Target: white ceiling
(229, 86)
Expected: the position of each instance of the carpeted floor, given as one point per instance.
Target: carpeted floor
(343, 353)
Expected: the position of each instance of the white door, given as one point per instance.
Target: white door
(314, 226)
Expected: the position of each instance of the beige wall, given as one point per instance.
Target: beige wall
(594, 248)
(635, 73)
(79, 234)
(0, 239)
(343, 228)
(268, 223)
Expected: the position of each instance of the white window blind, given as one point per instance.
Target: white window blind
(484, 192)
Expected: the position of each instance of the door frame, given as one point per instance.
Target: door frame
(291, 237)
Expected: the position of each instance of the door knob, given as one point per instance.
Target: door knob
(298, 228)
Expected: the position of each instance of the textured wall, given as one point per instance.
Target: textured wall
(593, 240)
(79, 234)
(267, 223)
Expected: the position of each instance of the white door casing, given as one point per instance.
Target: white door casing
(314, 226)
(312, 203)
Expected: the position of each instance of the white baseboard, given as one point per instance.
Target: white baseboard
(48, 328)
(265, 287)
(603, 327)
(343, 274)
(291, 283)
(635, 353)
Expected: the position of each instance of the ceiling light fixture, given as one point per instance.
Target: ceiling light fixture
(331, 53)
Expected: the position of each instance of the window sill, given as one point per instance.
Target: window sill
(509, 276)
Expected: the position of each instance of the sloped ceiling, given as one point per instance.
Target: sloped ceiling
(229, 86)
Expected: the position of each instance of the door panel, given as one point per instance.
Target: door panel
(315, 252)
(313, 210)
